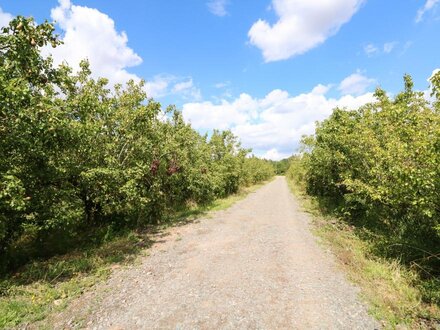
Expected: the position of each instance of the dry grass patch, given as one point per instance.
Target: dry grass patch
(391, 290)
(47, 286)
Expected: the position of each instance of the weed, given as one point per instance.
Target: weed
(395, 293)
(47, 286)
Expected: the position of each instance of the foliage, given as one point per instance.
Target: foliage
(377, 167)
(297, 169)
(281, 166)
(77, 153)
(395, 294)
(42, 287)
(256, 170)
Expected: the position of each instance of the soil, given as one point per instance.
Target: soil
(255, 265)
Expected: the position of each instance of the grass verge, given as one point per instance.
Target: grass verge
(392, 291)
(47, 286)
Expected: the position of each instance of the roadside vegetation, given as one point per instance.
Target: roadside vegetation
(373, 177)
(87, 170)
(282, 166)
(46, 286)
(90, 173)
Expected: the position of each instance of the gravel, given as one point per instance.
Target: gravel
(253, 266)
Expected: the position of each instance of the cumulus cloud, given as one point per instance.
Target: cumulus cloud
(187, 89)
(5, 18)
(206, 115)
(355, 84)
(218, 7)
(273, 125)
(90, 34)
(166, 84)
(273, 154)
(301, 26)
(429, 5)
(159, 85)
(434, 72)
(183, 86)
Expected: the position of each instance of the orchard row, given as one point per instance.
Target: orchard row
(77, 153)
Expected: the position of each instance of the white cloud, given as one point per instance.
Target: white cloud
(355, 84)
(223, 115)
(428, 93)
(159, 86)
(406, 46)
(166, 84)
(222, 84)
(321, 89)
(434, 72)
(389, 46)
(218, 7)
(371, 50)
(183, 86)
(187, 90)
(302, 25)
(5, 18)
(273, 154)
(91, 34)
(429, 5)
(273, 125)
(88, 33)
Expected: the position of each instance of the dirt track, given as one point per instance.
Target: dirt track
(253, 266)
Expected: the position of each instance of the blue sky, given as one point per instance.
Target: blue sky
(266, 69)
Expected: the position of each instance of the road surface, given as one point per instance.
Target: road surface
(253, 266)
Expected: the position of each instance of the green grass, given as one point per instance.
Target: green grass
(47, 286)
(393, 291)
(43, 287)
(191, 213)
(225, 203)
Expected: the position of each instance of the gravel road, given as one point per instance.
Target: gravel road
(253, 266)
